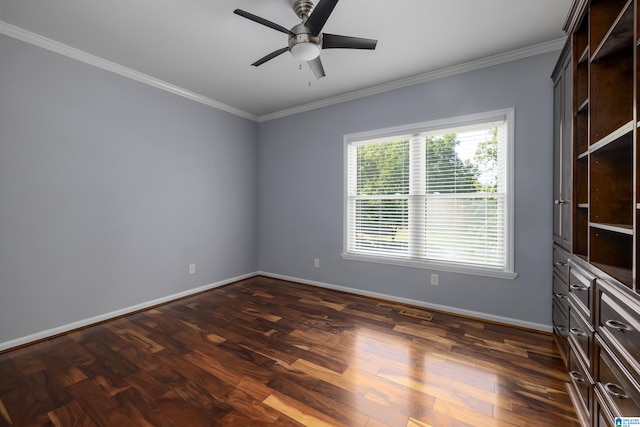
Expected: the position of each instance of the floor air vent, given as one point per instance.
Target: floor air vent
(417, 314)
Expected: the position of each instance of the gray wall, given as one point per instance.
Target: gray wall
(301, 191)
(109, 189)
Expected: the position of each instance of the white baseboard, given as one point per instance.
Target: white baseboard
(112, 315)
(424, 304)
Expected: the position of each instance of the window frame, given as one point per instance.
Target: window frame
(508, 272)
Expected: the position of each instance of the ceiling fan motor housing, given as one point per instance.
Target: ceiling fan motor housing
(304, 46)
(303, 8)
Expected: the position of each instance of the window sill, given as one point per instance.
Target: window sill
(430, 265)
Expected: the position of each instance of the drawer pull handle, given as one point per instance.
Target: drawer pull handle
(561, 264)
(577, 376)
(617, 325)
(578, 332)
(560, 327)
(615, 390)
(578, 287)
(561, 296)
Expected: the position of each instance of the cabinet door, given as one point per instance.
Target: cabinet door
(558, 90)
(562, 153)
(566, 149)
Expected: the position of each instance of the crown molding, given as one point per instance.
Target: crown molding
(79, 55)
(478, 64)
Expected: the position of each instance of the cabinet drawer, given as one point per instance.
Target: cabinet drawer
(618, 322)
(561, 262)
(560, 328)
(621, 393)
(601, 414)
(581, 289)
(560, 320)
(561, 292)
(582, 384)
(581, 334)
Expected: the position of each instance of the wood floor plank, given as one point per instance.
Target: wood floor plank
(23, 406)
(70, 414)
(9, 374)
(466, 415)
(476, 400)
(265, 352)
(377, 409)
(417, 423)
(136, 338)
(28, 362)
(299, 412)
(5, 419)
(93, 401)
(335, 409)
(251, 408)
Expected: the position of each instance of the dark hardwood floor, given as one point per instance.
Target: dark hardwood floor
(273, 353)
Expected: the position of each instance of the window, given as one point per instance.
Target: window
(433, 195)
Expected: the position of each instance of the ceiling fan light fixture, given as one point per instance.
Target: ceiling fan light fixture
(304, 45)
(305, 51)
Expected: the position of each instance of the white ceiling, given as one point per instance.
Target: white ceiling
(201, 46)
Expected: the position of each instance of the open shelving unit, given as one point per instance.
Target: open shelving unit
(581, 53)
(596, 296)
(605, 126)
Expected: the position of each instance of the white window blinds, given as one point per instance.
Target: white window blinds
(435, 195)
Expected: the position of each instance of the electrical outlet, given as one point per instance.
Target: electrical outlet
(192, 269)
(434, 279)
(316, 263)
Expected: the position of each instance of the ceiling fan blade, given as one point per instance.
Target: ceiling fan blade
(270, 56)
(319, 16)
(316, 67)
(263, 21)
(333, 41)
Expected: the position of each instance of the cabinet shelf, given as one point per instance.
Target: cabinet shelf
(611, 181)
(581, 37)
(619, 35)
(614, 228)
(582, 87)
(602, 20)
(611, 95)
(584, 57)
(581, 180)
(581, 232)
(584, 107)
(615, 140)
(581, 129)
(612, 251)
(623, 275)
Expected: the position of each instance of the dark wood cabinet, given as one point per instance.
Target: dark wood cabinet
(596, 296)
(562, 149)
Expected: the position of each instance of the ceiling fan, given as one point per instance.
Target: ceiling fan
(305, 39)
